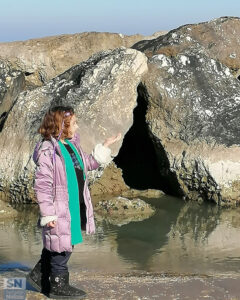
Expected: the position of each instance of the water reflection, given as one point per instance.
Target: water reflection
(198, 220)
(138, 241)
(20, 238)
(179, 237)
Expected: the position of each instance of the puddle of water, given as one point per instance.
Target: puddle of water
(180, 237)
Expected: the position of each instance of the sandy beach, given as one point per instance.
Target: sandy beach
(152, 286)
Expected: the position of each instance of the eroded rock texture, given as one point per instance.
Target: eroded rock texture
(175, 99)
(12, 82)
(219, 37)
(103, 91)
(194, 109)
(43, 59)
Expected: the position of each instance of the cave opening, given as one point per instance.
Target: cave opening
(143, 160)
(137, 156)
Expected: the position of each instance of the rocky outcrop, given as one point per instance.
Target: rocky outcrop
(149, 193)
(120, 211)
(12, 82)
(45, 58)
(109, 181)
(193, 110)
(186, 89)
(219, 38)
(103, 91)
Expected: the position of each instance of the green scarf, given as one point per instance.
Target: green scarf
(78, 156)
(73, 192)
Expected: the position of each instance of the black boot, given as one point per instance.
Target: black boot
(34, 277)
(39, 278)
(60, 288)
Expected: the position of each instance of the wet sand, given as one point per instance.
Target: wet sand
(160, 286)
(150, 286)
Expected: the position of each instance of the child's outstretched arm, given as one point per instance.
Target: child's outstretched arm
(101, 152)
(43, 187)
(100, 155)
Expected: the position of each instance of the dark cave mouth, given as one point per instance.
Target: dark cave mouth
(138, 158)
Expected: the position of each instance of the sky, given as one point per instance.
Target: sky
(27, 19)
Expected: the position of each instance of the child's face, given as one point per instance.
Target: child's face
(73, 126)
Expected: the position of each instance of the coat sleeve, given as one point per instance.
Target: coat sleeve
(100, 155)
(43, 187)
(91, 162)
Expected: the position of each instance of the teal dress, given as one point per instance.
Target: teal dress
(72, 183)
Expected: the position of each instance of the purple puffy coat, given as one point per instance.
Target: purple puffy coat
(51, 190)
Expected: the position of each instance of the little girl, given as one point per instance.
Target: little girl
(64, 200)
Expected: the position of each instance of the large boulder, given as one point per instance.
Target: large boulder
(120, 210)
(219, 37)
(12, 82)
(187, 107)
(44, 58)
(193, 110)
(103, 91)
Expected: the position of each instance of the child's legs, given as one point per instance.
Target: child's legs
(54, 262)
(59, 262)
(45, 261)
(45, 270)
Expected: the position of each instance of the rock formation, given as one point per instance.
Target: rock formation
(193, 109)
(103, 91)
(12, 82)
(43, 59)
(109, 181)
(175, 99)
(219, 38)
(120, 210)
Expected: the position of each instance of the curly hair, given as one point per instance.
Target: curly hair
(52, 122)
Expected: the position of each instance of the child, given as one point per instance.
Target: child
(61, 188)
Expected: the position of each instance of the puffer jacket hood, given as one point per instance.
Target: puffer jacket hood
(51, 145)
